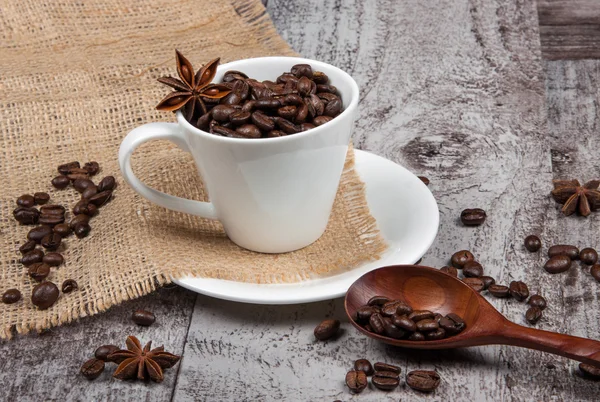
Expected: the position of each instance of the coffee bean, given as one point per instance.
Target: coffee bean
(557, 264)
(391, 330)
(333, 108)
(367, 327)
(384, 382)
(146, 318)
(26, 216)
(52, 209)
(69, 285)
(81, 207)
(595, 271)
(518, 290)
(363, 365)
(62, 229)
(286, 126)
(475, 283)
(27, 247)
(320, 120)
(390, 308)
(287, 112)
(564, 249)
(233, 75)
(325, 330)
(588, 256)
(419, 315)
(61, 182)
(221, 113)
(377, 323)
(460, 258)
(107, 183)
(53, 259)
(51, 220)
(81, 184)
(101, 198)
(240, 117)
(381, 366)
(427, 325)
(306, 126)
(439, 333)
(92, 369)
(472, 269)
(357, 381)
(89, 192)
(437, 317)
(269, 103)
(533, 243)
(66, 168)
(51, 241)
(77, 220)
(41, 198)
(537, 301)
(327, 88)
(452, 324)
(416, 336)
(500, 291)
(249, 131)
(403, 309)
(590, 371)
(26, 200)
(302, 70)
(533, 315)
(364, 313)
(82, 230)
(32, 257)
(377, 301)
(11, 296)
(39, 271)
(320, 77)
(487, 281)
(403, 322)
(423, 380)
(92, 168)
(450, 271)
(103, 351)
(473, 217)
(424, 179)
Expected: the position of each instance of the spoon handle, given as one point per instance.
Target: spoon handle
(580, 349)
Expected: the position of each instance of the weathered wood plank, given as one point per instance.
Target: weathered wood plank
(569, 29)
(450, 89)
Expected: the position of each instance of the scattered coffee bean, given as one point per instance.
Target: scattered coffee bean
(61, 182)
(557, 264)
(416, 336)
(404, 323)
(38, 233)
(92, 368)
(79, 219)
(103, 351)
(381, 366)
(92, 168)
(51, 241)
(472, 269)
(147, 318)
(564, 249)
(499, 291)
(533, 315)
(518, 290)
(39, 271)
(107, 183)
(69, 285)
(62, 229)
(378, 301)
(41, 198)
(423, 380)
(44, 295)
(537, 301)
(89, 192)
(377, 323)
(81, 184)
(11, 296)
(53, 259)
(26, 216)
(424, 179)
(487, 281)
(363, 365)
(533, 243)
(475, 283)
(452, 324)
(460, 258)
(67, 168)
(473, 217)
(450, 271)
(101, 198)
(595, 271)
(357, 381)
(590, 371)
(28, 246)
(419, 315)
(325, 330)
(82, 230)
(588, 256)
(383, 382)
(26, 200)
(32, 257)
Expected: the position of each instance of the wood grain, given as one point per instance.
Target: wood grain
(569, 29)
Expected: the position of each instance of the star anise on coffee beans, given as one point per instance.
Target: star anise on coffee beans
(576, 197)
(142, 364)
(191, 91)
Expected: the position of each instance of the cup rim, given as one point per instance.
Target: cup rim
(354, 95)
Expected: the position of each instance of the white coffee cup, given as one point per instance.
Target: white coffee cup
(272, 195)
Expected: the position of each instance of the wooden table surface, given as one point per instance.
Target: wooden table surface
(456, 90)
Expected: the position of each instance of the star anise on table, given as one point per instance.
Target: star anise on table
(142, 364)
(576, 197)
(192, 89)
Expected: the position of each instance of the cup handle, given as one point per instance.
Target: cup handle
(159, 131)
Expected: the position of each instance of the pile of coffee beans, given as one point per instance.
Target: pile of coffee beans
(386, 377)
(52, 228)
(297, 101)
(398, 320)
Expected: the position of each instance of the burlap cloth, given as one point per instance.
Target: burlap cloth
(75, 78)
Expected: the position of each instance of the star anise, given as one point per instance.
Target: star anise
(142, 364)
(192, 88)
(576, 197)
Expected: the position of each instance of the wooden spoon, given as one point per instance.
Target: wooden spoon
(427, 288)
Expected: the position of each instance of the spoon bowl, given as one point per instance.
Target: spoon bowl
(426, 288)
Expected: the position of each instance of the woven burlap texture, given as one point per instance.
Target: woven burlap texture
(75, 78)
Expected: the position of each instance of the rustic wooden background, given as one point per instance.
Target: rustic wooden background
(456, 90)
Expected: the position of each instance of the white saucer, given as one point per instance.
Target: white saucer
(407, 216)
